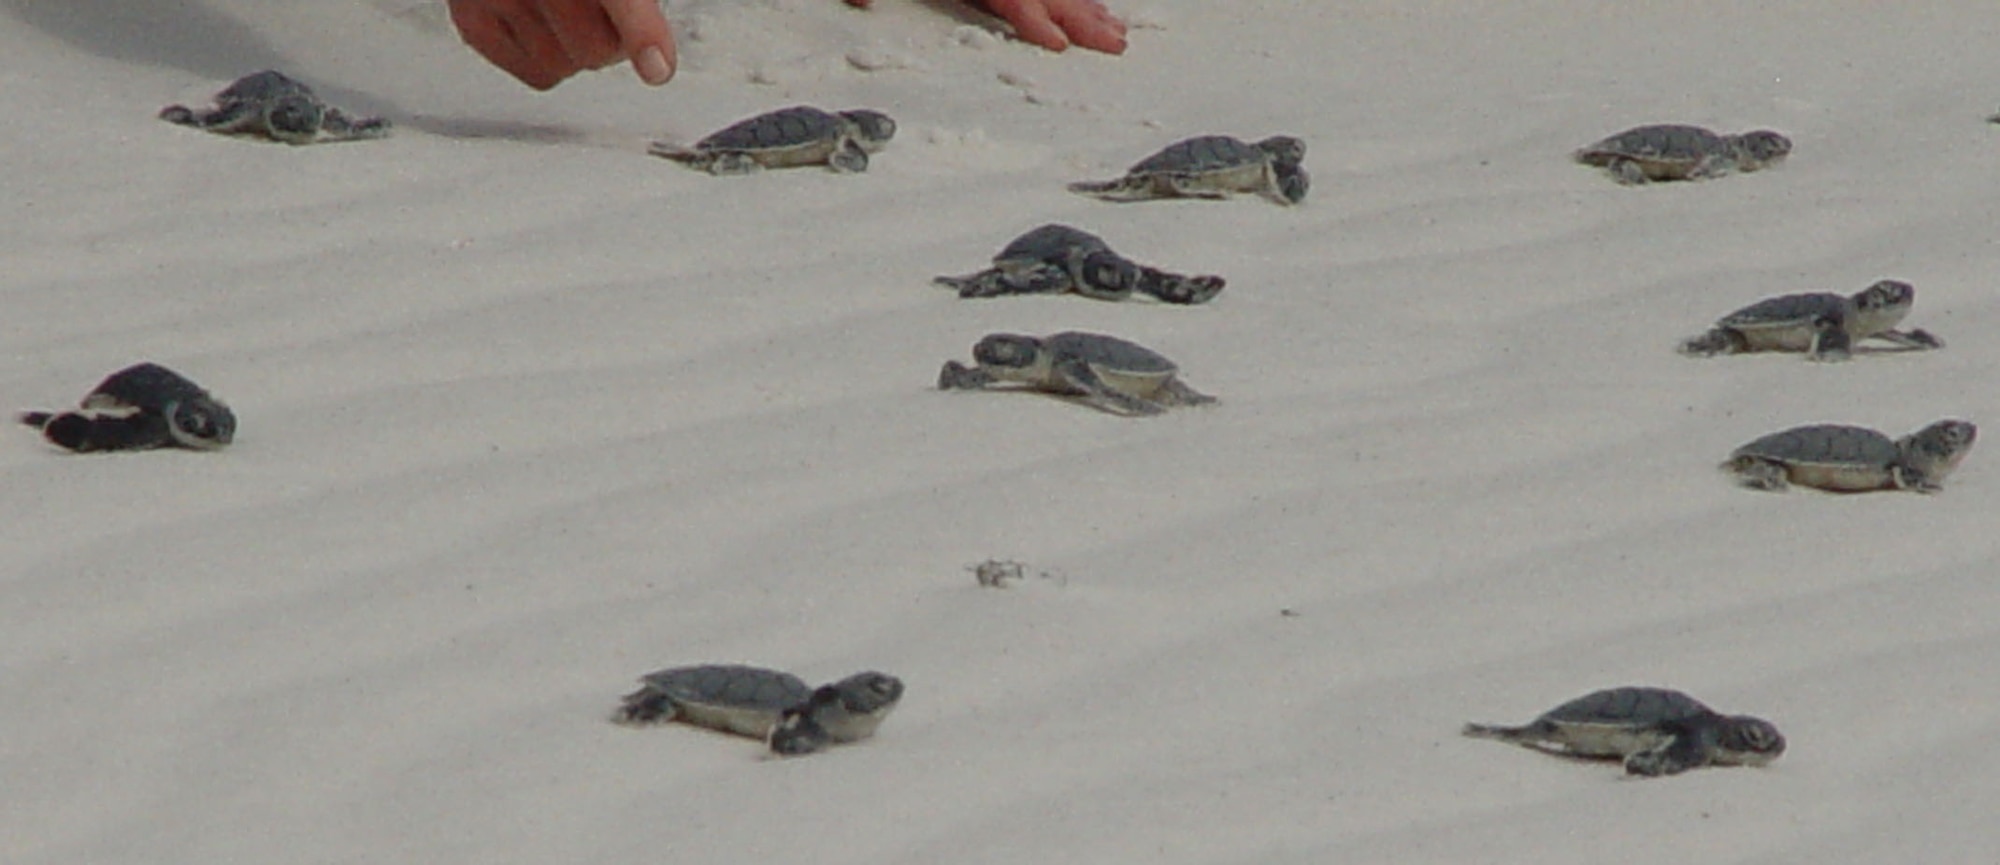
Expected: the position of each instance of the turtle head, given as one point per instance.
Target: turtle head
(1760, 148)
(1009, 351)
(294, 119)
(1284, 149)
(1940, 446)
(1889, 294)
(868, 693)
(200, 424)
(1748, 740)
(872, 129)
(844, 711)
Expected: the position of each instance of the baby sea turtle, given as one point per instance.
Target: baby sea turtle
(764, 704)
(1212, 166)
(788, 137)
(138, 408)
(1676, 152)
(1054, 259)
(273, 105)
(1107, 372)
(1823, 325)
(1853, 459)
(1655, 731)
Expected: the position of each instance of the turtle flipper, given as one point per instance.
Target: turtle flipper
(86, 433)
(995, 282)
(848, 158)
(337, 126)
(1121, 189)
(1716, 341)
(1914, 479)
(958, 376)
(1190, 186)
(1177, 392)
(1628, 172)
(796, 732)
(645, 706)
(1914, 340)
(1527, 736)
(728, 162)
(1289, 182)
(1758, 474)
(1176, 288)
(1687, 746)
(1078, 375)
(1831, 342)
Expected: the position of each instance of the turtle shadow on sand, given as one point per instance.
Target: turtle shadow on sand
(491, 129)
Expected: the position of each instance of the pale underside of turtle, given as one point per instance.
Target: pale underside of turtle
(1841, 458)
(1106, 372)
(1654, 731)
(274, 106)
(788, 138)
(1679, 152)
(140, 407)
(1822, 325)
(1057, 259)
(1214, 167)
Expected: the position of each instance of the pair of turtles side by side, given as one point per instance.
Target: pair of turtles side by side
(1654, 731)
(1106, 372)
(1670, 151)
(1212, 166)
(786, 138)
(141, 407)
(770, 705)
(1058, 259)
(1842, 458)
(1823, 325)
(275, 106)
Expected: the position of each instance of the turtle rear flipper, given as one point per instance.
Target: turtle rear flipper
(1758, 474)
(86, 433)
(998, 282)
(1121, 189)
(1176, 392)
(1717, 341)
(1516, 735)
(646, 706)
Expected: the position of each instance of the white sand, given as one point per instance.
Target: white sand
(526, 414)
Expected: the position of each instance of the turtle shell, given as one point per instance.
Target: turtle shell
(798, 127)
(1826, 445)
(265, 86)
(1619, 721)
(1052, 244)
(1202, 155)
(1668, 147)
(732, 698)
(1791, 310)
(1109, 354)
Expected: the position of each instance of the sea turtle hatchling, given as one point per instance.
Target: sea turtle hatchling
(1676, 152)
(275, 106)
(141, 407)
(764, 704)
(1055, 258)
(788, 137)
(1823, 325)
(1107, 372)
(1212, 166)
(1655, 731)
(1853, 459)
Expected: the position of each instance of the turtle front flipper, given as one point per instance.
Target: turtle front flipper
(1176, 288)
(796, 733)
(1831, 342)
(1914, 479)
(1689, 745)
(1078, 375)
(1719, 340)
(958, 376)
(337, 126)
(849, 157)
(1290, 183)
(1914, 340)
(88, 433)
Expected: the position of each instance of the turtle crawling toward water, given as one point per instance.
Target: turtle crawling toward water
(788, 137)
(273, 105)
(1655, 731)
(1108, 373)
(1676, 152)
(1823, 325)
(1841, 458)
(765, 704)
(140, 407)
(1212, 166)
(1055, 259)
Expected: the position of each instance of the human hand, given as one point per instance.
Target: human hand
(1054, 24)
(543, 42)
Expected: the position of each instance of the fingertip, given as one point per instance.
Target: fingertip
(653, 66)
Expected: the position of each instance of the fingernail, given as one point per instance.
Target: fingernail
(652, 66)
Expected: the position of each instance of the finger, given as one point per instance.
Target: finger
(646, 37)
(513, 38)
(584, 31)
(1031, 22)
(1089, 24)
